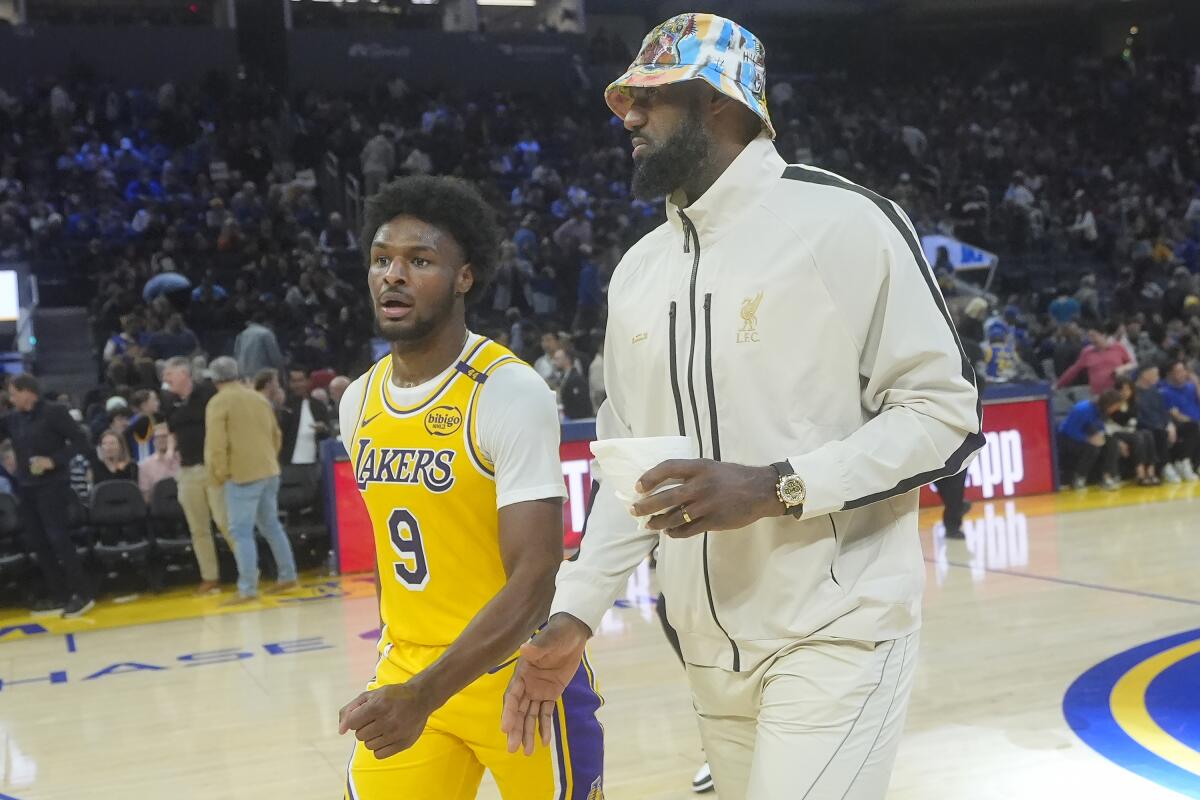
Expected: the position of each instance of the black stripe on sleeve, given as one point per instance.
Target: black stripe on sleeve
(974, 441)
(587, 517)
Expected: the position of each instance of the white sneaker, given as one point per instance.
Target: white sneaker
(1080, 484)
(703, 781)
(1186, 472)
(1110, 484)
(1170, 475)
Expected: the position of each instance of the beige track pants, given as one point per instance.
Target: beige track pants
(821, 720)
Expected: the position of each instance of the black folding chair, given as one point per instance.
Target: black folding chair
(118, 519)
(169, 528)
(303, 515)
(15, 560)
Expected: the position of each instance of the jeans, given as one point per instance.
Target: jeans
(44, 510)
(250, 504)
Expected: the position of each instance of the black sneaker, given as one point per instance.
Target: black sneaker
(955, 533)
(78, 607)
(47, 608)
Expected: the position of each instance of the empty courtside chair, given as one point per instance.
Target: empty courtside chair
(15, 562)
(122, 541)
(302, 514)
(168, 527)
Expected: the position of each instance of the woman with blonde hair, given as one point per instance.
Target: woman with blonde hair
(112, 461)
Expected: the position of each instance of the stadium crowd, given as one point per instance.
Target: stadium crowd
(194, 217)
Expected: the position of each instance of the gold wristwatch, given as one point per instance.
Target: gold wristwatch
(790, 489)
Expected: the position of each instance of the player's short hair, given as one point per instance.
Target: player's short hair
(451, 204)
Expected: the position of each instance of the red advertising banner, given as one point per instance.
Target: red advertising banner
(577, 471)
(354, 541)
(1018, 458)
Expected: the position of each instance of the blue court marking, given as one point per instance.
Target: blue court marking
(1081, 584)
(1087, 708)
(70, 648)
(1174, 702)
(8, 797)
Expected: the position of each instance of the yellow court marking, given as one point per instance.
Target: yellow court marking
(1090, 499)
(1128, 704)
(179, 604)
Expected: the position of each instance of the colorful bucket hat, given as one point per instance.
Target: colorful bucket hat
(699, 47)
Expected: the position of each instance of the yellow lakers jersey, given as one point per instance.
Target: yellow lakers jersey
(431, 495)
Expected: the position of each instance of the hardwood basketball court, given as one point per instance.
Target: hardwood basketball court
(172, 697)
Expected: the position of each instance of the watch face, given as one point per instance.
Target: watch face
(792, 490)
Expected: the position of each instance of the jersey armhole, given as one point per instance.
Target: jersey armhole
(362, 406)
(471, 430)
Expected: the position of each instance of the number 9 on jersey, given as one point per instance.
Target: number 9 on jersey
(412, 571)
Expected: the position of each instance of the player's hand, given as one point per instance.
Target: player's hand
(1172, 434)
(1096, 440)
(387, 720)
(545, 667)
(717, 496)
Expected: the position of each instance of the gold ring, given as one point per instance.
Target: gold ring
(687, 518)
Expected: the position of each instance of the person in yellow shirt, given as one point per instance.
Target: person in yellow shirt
(454, 442)
(241, 447)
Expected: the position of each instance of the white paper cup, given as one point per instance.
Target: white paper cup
(621, 462)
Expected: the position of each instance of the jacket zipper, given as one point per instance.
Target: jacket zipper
(690, 233)
(833, 577)
(712, 389)
(675, 376)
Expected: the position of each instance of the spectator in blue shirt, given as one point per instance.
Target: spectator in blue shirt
(143, 189)
(1084, 442)
(1065, 308)
(1182, 399)
(525, 239)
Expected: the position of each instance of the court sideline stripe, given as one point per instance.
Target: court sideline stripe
(1069, 582)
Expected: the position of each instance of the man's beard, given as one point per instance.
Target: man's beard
(418, 329)
(665, 168)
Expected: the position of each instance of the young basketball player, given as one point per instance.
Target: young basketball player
(454, 442)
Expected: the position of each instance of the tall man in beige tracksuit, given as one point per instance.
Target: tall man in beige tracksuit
(784, 320)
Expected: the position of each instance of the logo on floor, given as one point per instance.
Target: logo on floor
(1139, 710)
(56, 677)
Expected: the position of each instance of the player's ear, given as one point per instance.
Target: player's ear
(464, 281)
